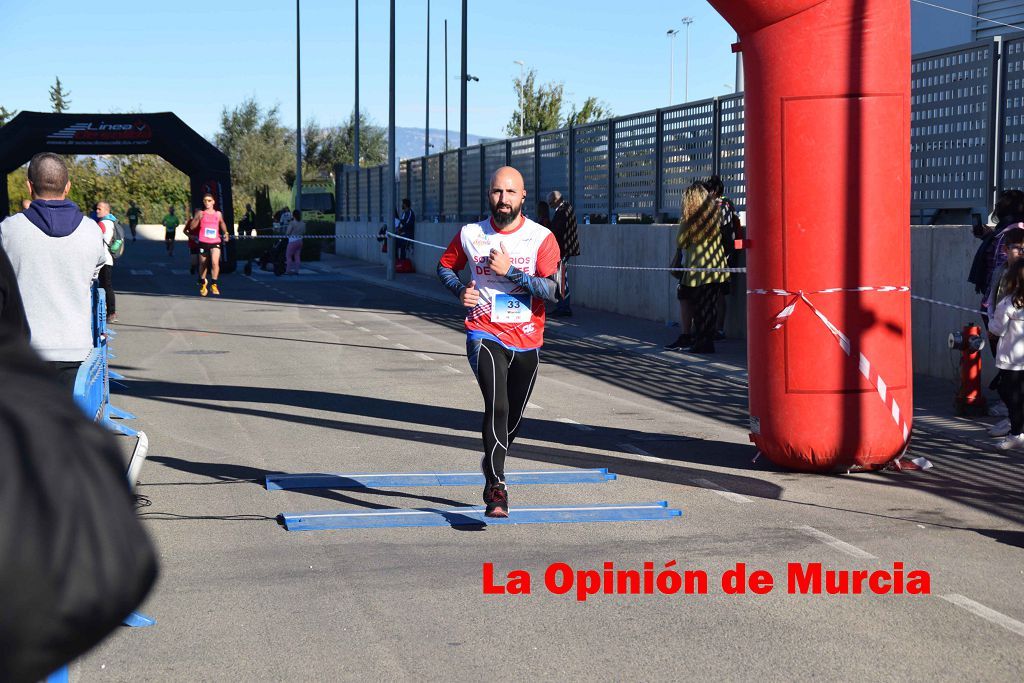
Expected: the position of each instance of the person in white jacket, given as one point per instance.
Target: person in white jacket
(1007, 323)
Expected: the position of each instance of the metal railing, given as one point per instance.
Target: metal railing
(967, 143)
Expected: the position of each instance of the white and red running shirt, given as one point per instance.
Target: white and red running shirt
(507, 313)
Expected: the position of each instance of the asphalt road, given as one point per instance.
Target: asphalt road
(334, 373)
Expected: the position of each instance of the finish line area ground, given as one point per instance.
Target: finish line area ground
(339, 372)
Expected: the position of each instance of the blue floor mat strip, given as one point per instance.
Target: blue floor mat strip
(474, 516)
(278, 482)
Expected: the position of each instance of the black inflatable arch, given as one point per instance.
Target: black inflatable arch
(163, 134)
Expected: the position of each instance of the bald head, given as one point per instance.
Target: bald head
(48, 177)
(102, 209)
(507, 194)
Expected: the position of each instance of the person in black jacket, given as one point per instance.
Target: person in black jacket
(563, 226)
(1008, 211)
(76, 560)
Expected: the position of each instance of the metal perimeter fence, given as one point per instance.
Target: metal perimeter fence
(967, 143)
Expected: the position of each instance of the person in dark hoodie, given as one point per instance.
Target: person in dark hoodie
(76, 558)
(56, 253)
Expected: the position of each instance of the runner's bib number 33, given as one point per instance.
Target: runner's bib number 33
(511, 308)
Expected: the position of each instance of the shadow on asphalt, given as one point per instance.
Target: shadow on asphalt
(962, 473)
(243, 474)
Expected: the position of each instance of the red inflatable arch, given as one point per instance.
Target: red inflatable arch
(828, 196)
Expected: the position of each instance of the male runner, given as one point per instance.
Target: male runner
(134, 213)
(171, 224)
(513, 268)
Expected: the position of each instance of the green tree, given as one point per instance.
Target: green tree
(323, 148)
(591, 111)
(59, 97)
(259, 147)
(540, 106)
(6, 115)
(17, 188)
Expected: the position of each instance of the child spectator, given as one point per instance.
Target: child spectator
(1009, 252)
(1007, 323)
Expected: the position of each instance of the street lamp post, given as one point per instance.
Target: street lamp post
(522, 114)
(355, 131)
(686, 63)
(671, 33)
(389, 172)
(298, 113)
(463, 118)
(446, 85)
(426, 129)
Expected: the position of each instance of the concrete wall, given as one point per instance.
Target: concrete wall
(642, 294)
(940, 261)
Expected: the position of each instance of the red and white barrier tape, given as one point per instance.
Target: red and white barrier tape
(863, 364)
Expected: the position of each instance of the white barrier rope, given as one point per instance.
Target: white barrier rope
(409, 239)
(308, 237)
(780, 292)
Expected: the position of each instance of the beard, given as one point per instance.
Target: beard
(505, 219)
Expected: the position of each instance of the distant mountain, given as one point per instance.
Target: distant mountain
(409, 141)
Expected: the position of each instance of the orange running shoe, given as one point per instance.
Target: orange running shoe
(215, 290)
(202, 289)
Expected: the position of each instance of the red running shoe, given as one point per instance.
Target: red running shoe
(496, 498)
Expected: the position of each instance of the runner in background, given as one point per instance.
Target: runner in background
(191, 231)
(133, 213)
(514, 265)
(212, 232)
(171, 224)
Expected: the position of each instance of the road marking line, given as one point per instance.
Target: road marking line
(348, 322)
(401, 346)
(534, 406)
(424, 356)
(381, 337)
(362, 329)
(841, 546)
(451, 369)
(722, 491)
(335, 316)
(322, 310)
(574, 423)
(636, 450)
(986, 613)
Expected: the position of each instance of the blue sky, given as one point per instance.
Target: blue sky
(194, 58)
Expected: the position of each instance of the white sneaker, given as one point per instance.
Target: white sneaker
(1001, 428)
(1011, 442)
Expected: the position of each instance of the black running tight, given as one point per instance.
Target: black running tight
(106, 281)
(506, 380)
(1011, 390)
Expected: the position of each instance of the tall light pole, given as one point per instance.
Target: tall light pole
(389, 172)
(298, 112)
(446, 85)
(522, 114)
(739, 67)
(465, 76)
(671, 33)
(355, 132)
(426, 129)
(686, 63)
